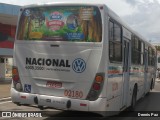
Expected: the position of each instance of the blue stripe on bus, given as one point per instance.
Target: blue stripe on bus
(114, 75)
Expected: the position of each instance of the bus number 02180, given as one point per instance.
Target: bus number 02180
(73, 94)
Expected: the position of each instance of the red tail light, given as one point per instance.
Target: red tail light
(96, 87)
(16, 78)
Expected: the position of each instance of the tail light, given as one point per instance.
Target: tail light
(15, 74)
(96, 87)
(16, 80)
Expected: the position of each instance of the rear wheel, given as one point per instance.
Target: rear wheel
(134, 99)
(151, 86)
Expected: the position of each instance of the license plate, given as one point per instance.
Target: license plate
(53, 84)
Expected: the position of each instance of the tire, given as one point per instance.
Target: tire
(151, 86)
(134, 99)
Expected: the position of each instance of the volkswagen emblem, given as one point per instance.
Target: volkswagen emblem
(78, 65)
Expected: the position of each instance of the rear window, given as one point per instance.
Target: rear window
(72, 23)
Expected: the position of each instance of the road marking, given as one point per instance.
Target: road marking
(5, 102)
(155, 91)
(5, 98)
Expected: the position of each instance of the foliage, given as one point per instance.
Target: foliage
(158, 48)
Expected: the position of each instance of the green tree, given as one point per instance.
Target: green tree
(158, 48)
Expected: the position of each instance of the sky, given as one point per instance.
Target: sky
(142, 16)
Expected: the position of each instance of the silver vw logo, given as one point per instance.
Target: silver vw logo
(78, 65)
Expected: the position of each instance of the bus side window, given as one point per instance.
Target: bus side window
(115, 44)
(151, 56)
(137, 50)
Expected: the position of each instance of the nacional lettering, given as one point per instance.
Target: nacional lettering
(47, 62)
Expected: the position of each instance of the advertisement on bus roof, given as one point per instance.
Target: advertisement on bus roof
(79, 24)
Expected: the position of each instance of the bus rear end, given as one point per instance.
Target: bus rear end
(57, 56)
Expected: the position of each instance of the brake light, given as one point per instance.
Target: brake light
(16, 78)
(96, 87)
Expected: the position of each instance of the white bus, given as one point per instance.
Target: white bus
(79, 57)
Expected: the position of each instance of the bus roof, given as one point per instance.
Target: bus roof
(63, 3)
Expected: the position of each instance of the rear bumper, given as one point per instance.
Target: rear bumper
(61, 103)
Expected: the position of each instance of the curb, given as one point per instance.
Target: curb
(5, 99)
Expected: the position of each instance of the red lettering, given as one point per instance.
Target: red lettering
(53, 84)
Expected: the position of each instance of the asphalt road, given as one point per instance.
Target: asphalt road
(150, 102)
